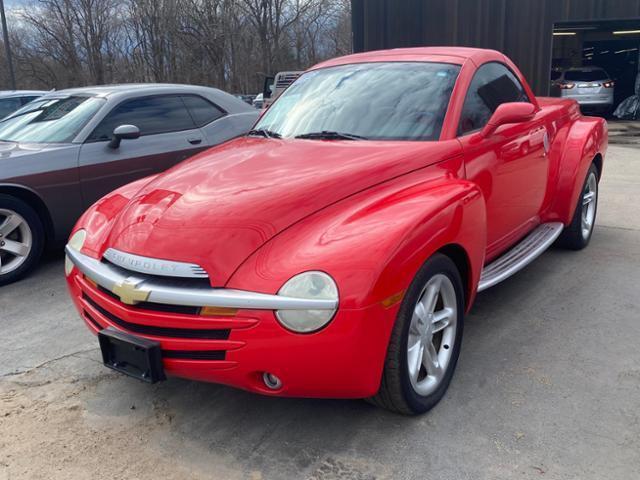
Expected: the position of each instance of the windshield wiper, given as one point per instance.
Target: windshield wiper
(264, 133)
(329, 135)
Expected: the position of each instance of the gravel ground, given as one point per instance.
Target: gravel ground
(548, 386)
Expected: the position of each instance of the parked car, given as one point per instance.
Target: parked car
(591, 87)
(62, 152)
(12, 100)
(258, 101)
(334, 251)
(248, 99)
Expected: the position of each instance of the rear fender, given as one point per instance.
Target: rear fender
(586, 139)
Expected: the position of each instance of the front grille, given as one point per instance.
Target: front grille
(177, 354)
(194, 354)
(199, 333)
(93, 321)
(156, 307)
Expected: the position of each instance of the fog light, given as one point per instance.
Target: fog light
(271, 381)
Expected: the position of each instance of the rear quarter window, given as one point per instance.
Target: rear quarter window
(201, 110)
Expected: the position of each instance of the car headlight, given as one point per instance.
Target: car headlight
(309, 285)
(76, 242)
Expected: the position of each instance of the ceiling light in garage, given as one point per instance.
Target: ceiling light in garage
(626, 32)
(557, 34)
(626, 50)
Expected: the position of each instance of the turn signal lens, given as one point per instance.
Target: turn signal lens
(76, 242)
(218, 312)
(567, 86)
(310, 285)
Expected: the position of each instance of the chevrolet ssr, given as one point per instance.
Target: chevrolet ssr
(335, 249)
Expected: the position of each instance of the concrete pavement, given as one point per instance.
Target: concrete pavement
(547, 386)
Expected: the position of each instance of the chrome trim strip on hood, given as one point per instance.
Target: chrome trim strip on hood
(112, 279)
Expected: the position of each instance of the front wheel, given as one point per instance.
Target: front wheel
(425, 342)
(578, 234)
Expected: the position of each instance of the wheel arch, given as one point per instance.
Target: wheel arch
(34, 200)
(459, 256)
(598, 162)
(585, 144)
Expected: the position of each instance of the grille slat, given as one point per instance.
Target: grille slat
(197, 333)
(155, 307)
(194, 354)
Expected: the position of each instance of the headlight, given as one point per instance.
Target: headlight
(310, 285)
(76, 242)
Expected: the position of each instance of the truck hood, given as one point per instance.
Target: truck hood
(220, 206)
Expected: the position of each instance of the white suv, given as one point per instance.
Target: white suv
(591, 87)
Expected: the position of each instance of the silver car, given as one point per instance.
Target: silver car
(591, 87)
(12, 100)
(62, 152)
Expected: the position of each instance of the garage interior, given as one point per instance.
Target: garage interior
(611, 45)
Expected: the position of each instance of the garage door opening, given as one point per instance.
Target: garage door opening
(596, 63)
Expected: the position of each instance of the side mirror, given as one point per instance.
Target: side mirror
(123, 132)
(512, 112)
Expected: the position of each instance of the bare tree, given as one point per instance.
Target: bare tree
(231, 44)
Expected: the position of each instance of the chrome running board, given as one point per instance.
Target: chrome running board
(525, 252)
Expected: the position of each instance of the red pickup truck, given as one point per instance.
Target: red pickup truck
(335, 249)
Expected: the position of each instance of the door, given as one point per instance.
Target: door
(168, 135)
(510, 166)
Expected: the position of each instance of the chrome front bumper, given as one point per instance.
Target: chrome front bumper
(137, 288)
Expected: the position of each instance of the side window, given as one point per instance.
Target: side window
(26, 100)
(9, 105)
(492, 85)
(202, 111)
(152, 115)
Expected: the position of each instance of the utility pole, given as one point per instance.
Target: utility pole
(7, 48)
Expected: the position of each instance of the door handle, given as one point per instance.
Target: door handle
(194, 140)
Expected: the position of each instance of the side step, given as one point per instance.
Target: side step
(525, 252)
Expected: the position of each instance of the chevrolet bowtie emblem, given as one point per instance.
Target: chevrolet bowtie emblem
(129, 292)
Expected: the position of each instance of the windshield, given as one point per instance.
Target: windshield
(585, 75)
(52, 120)
(381, 101)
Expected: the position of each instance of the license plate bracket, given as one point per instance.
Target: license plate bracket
(133, 356)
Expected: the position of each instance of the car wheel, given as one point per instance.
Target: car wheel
(578, 234)
(21, 239)
(425, 341)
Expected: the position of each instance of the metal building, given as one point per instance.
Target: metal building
(535, 34)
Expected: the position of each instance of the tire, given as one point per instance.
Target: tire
(400, 390)
(22, 239)
(578, 234)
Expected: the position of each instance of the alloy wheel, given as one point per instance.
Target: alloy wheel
(589, 204)
(16, 240)
(432, 334)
